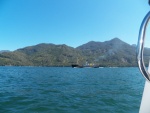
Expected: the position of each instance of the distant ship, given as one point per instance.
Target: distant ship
(76, 66)
(85, 66)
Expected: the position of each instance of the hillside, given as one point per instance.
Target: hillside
(41, 55)
(109, 53)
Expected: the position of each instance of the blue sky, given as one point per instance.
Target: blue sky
(72, 22)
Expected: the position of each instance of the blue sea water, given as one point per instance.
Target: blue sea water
(70, 90)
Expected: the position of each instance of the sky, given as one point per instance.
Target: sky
(71, 22)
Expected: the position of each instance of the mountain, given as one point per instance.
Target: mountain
(114, 52)
(2, 51)
(109, 53)
(51, 55)
(41, 55)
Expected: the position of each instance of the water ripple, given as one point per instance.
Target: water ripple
(68, 90)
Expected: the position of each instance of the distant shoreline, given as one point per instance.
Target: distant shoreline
(70, 66)
(112, 53)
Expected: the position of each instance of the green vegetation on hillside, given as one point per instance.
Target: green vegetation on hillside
(109, 53)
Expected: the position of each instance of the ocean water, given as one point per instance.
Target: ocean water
(70, 90)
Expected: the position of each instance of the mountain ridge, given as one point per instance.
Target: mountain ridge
(114, 52)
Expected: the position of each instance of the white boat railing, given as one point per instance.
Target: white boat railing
(145, 103)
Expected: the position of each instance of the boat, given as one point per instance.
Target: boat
(76, 66)
(145, 102)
